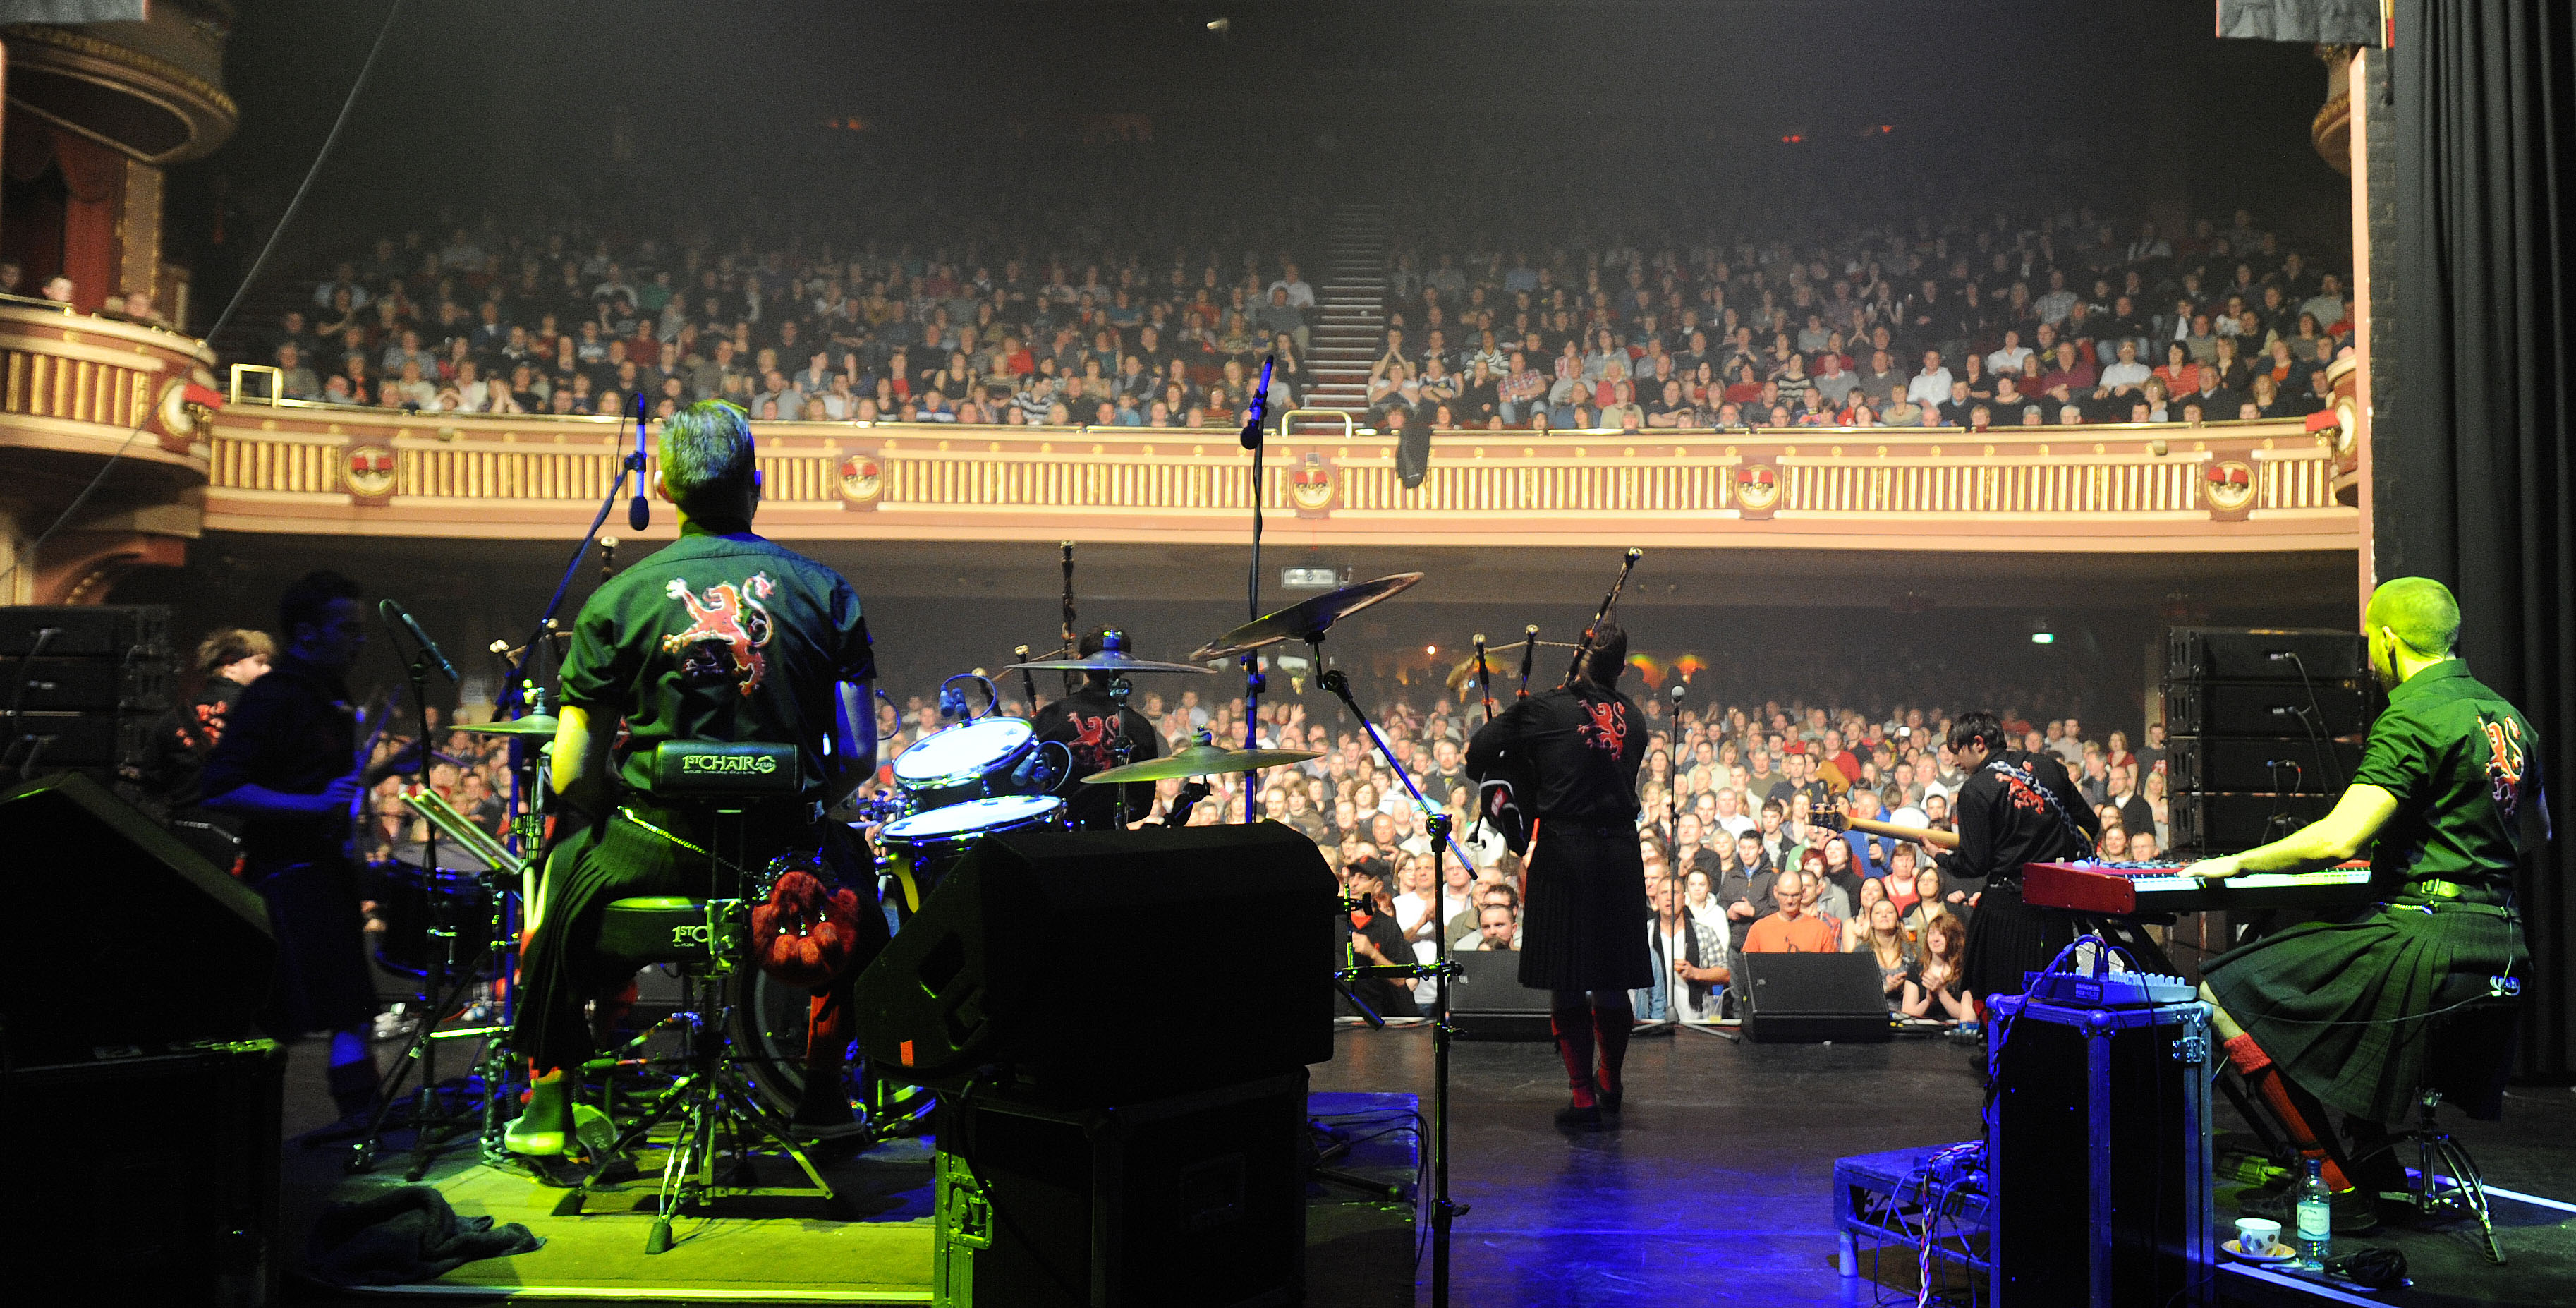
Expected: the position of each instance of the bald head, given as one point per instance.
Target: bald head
(2419, 611)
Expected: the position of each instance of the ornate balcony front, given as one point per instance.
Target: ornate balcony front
(2236, 487)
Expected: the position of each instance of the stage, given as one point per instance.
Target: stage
(1717, 1190)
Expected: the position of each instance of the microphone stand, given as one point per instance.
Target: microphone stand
(1253, 682)
(631, 466)
(1444, 1213)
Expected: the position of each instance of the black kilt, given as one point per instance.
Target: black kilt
(562, 968)
(2346, 1008)
(1584, 927)
(2007, 937)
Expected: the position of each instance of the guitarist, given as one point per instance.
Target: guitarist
(2015, 807)
(288, 767)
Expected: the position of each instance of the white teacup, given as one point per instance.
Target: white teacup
(2257, 1235)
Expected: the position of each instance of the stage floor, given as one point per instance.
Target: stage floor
(1715, 1191)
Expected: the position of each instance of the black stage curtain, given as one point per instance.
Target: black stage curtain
(2477, 482)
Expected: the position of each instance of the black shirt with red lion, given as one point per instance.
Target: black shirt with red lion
(1579, 747)
(1091, 727)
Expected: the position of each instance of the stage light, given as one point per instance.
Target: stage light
(2043, 638)
(1220, 26)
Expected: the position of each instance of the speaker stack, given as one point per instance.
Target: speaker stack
(2263, 729)
(86, 684)
(1119, 1024)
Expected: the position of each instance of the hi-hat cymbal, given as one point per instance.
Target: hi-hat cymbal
(534, 724)
(1201, 761)
(1107, 660)
(1305, 619)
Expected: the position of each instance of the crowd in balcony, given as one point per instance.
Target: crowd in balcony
(1998, 323)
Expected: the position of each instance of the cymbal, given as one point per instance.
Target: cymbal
(1305, 619)
(535, 724)
(1107, 660)
(1201, 761)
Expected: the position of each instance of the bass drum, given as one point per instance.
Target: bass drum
(768, 1022)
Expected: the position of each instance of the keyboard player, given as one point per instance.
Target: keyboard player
(2334, 1013)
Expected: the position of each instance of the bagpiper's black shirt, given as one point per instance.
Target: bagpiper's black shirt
(2464, 766)
(1580, 748)
(1090, 726)
(718, 637)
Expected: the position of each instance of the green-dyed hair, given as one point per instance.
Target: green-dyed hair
(2420, 610)
(707, 457)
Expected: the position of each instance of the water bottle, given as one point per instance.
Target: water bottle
(2316, 1218)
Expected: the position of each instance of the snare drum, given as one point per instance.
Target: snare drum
(420, 905)
(972, 760)
(920, 849)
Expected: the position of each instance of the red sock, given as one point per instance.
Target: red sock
(828, 1027)
(2277, 1094)
(1573, 1028)
(1612, 1026)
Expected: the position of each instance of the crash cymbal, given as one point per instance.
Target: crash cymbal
(535, 724)
(1107, 660)
(1201, 761)
(1305, 619)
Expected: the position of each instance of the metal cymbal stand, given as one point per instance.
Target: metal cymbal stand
(1440, 971)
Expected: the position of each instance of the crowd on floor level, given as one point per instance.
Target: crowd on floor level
(1731, 828)
(1784, 321)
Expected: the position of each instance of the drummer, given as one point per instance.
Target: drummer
(1101, 732)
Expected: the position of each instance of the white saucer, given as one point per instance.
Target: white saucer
(2281, 1253)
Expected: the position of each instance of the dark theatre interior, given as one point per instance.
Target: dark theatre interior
(1226, 653)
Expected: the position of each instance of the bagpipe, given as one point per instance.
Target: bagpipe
(1507, 793)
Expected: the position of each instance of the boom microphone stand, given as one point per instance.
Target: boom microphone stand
(1440, 970)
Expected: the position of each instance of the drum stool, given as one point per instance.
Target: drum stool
(706, 941)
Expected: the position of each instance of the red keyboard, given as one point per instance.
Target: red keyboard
(2142, 889)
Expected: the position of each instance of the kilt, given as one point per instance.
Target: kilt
(2347, 1008)
(562, 969)
(2007, 937)
(1584, 927)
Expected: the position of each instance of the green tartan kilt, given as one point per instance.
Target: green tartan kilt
(2367, 1010)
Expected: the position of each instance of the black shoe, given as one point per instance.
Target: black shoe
(1609, 1101)
(1578, 1117)
(2354, 1213)
(823, 1113)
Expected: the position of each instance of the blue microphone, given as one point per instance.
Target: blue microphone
(1260, 406)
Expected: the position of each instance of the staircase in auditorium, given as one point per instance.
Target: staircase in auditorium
(1350, 318)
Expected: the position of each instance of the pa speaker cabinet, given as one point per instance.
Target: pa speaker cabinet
(84, 631)
(1490, 1002)
(1198, 1199)
(1099, 966)
(2323, 710)
(2291, 654)
(183, 1212)
(123, 935)
(2290, 765)
(1810, 998)
(2098, 1149)
(2206, 823)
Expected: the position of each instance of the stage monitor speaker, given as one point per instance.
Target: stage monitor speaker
(121, 936)
(2294, 654)
(2285, 766)
(1492, 1004)
(2206, 823)
(1114, 964)
(2268, 709)
(1196, 1199)
(1808, 998)
(151, 1175)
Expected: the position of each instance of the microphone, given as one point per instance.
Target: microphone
(639, 514)
(1260, 406)
(1679, 692)
(419, 637)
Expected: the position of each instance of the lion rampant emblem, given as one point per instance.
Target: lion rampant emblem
(727, 628)
(1608, 729)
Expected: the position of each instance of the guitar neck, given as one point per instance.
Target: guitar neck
(1919, 835)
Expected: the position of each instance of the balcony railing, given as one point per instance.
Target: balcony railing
(2270, 485)
(77, 383)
